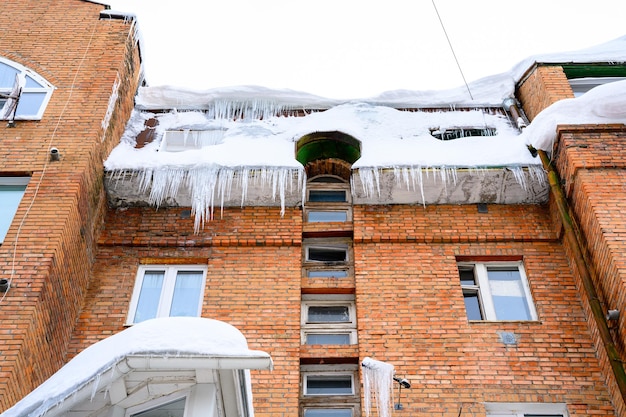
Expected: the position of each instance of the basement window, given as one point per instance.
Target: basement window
(11, 192)
(167, 291)
(496, 291)
(452, 133)
(24, 94)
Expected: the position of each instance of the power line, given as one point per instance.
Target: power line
(452, 49)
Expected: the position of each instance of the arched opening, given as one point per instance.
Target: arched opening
(328, 153)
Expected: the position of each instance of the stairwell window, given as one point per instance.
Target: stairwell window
(329, 390)
(167, 291)
(328, 319)
(24, 94)
(526, 410)
(327, 201)
(11, 192)
(496, 291)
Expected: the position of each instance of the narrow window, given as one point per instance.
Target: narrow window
(496, 291)
(328, 384)
(328, 319)
(327, 273)
(328, 412)
(11, 192)
(162, 291)
(327, 253)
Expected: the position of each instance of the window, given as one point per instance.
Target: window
(174, 408)
(326, 253)
(526, 410)
(496, 291)
(34, 92)
(329, 390)
(327, 200)
(182, 140)
(328, 319)
(327, 273)
(162, 291)
(11, 193)
(581, 85)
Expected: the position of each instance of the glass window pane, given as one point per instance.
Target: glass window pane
(508, 295)
(173, 409)
(30, 103)
(7, 76)
(328, 412)
(467, 276)
(328, 254)
(328, 273)
(472, 305)
(10, 197)
(30, 83)
(187, 293)
(327, 196)
(327, 339)
(149, 296)
(329, 385)
(329, 314)
(328, 216)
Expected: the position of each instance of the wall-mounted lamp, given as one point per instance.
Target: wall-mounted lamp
(612, 315)
(54, 154)
(4, 285)
(402, 383)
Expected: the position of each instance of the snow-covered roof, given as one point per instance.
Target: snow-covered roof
(174, 341)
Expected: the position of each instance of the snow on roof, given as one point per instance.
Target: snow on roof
(171, 337)
(603, 104)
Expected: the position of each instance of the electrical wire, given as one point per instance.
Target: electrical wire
(452, 49)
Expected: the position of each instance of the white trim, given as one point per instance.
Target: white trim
(329, 376)
(167, 291)
(519, 409)
(483, 288)
(46, 88)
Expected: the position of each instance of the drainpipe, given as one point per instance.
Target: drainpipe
(572, 235)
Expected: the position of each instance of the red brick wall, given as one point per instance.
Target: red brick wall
(65, 42)
(410, 308)
(545, 85)
(253, 283)
(411, 311)
(590, 161)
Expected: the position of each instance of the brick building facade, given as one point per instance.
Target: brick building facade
(384, 279)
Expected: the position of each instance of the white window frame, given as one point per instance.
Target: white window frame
(167, 292)
(331, 327)
(337, 247)
(12, 181)
(483, 290)
(525, 409)
(582, 85)
(330, 401)
(45, 88)
(150, 405)
(329, 375)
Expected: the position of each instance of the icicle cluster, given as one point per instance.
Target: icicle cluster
(212, 185)
(413, 177)
(377, 382)
(247, 109)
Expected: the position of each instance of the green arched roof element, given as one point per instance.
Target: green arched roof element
(324, 145)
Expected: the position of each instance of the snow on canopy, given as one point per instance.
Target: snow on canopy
(163, 337)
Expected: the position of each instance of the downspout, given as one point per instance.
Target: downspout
(571, 234)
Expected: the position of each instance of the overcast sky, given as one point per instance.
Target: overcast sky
(358, 48)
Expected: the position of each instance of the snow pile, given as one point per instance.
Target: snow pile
(163, 337)
(603, 104)
(377, 383)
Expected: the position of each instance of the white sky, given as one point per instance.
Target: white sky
(358, 48)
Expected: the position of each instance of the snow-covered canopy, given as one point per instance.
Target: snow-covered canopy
(210, 343)
(399, 132)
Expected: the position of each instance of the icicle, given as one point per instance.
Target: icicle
(377, 382)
